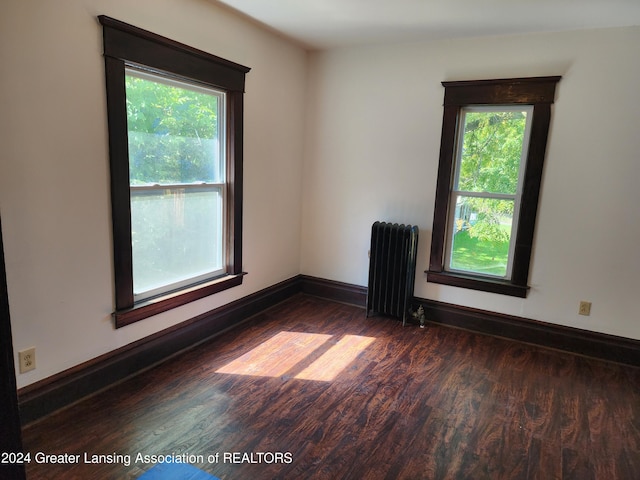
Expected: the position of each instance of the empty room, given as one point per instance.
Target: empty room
(325, 239)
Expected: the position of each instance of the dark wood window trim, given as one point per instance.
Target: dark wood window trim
(125, 44)
(538, 92)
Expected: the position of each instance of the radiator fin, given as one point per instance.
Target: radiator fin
(392, 269)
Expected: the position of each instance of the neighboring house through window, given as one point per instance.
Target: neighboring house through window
(175, 141)
(493, 144)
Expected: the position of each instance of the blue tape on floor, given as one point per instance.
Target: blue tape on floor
(176, 471)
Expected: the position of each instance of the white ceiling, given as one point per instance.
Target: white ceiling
(320, 24)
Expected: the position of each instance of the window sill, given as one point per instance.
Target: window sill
(503, 287)
(150, 307)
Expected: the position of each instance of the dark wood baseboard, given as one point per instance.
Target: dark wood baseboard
(60, 390)
(582, 342)
(568, 339)
(336, 291)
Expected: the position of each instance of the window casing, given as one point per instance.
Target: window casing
(176, 189)
(497, 198)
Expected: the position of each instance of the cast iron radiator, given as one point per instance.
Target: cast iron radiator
(392, 269)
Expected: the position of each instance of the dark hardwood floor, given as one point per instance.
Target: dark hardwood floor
(350, 397)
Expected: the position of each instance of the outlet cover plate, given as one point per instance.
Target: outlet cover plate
(27, 359)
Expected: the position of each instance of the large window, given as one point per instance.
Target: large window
(492, 151)
(175, 128)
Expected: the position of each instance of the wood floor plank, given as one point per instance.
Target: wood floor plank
(346, 396)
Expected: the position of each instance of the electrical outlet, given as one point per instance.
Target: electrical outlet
(585, 308)
(27, 359)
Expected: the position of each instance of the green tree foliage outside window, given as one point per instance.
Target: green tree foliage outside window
(173, 134)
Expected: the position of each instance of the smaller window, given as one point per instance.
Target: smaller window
(492, 151)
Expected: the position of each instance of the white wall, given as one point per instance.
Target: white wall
(372, 149)
(54, 183)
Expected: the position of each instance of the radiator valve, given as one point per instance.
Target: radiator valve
(419, 315)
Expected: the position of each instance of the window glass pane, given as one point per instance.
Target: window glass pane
(491, 151)
(176, 235)
(174, 132)
(176, 171)
(481, 235)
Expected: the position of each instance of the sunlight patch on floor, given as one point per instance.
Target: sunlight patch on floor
(287, 353)
(336, 359)
(276, 356)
